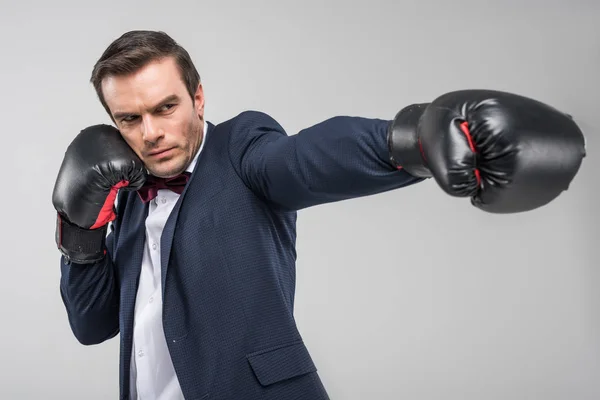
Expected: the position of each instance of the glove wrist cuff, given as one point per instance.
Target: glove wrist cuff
(80, 245)
(403, 142)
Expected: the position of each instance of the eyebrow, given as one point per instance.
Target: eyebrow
(169, 99)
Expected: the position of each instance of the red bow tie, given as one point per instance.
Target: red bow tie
(154, 184)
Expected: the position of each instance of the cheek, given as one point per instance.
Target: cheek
(183, 127)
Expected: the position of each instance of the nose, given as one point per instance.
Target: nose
(151, 131)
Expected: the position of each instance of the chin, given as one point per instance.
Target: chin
(167, 170)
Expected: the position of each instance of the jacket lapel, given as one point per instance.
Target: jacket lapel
(128, 255)
(131, 247)
(166, 240)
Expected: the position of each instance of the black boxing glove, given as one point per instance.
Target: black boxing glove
(96, 165)
(508, 153)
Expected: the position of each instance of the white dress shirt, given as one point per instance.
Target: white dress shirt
(152, 373)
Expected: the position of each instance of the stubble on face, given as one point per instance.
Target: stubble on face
(157, 117)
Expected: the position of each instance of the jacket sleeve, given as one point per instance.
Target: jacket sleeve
(90, 293)
(340, 158)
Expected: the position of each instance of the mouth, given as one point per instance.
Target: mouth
(160, 153)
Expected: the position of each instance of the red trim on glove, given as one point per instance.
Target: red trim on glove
(465, 128)
(422, 150)
(107, 213)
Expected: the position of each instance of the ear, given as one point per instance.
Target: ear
(199, 100)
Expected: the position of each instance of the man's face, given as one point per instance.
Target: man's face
(156, 116)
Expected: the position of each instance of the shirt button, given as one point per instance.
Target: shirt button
(163, 200)
(151, 299)
(141, 353)
(153, 246)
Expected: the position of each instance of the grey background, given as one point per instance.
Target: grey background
(406, 295)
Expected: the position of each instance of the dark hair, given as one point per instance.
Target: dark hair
(133, 50)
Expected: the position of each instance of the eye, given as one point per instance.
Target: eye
(166, 107)
(129, 118)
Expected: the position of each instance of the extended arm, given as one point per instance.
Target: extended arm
(506, 152)
(340, 158)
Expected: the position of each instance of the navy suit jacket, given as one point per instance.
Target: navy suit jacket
(228, 256)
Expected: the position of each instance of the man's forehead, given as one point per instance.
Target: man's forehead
(148, 85)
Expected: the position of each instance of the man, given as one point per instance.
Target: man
(197, 270)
